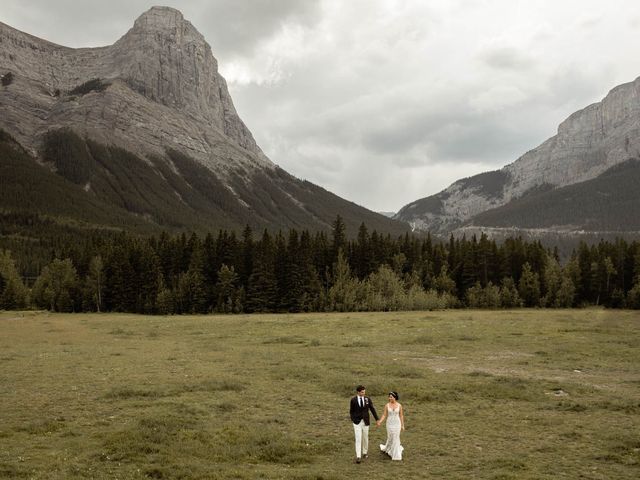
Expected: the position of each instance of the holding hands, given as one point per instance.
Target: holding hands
(394, 415)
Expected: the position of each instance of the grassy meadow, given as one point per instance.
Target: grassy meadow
(525, 394)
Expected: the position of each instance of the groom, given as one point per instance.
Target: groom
(359, 410)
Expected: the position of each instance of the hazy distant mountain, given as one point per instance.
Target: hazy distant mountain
(388, 214)
(569, 183)
(145, 132)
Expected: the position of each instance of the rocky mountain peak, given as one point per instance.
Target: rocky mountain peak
(157, 86)
(166, 59)
(165, 25)
(158, 16)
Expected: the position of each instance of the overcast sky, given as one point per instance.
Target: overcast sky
(380, 101)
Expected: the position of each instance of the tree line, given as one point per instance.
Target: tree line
(306, 272)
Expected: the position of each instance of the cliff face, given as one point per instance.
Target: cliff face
(184, 159)
(587, 144)
(158, 86)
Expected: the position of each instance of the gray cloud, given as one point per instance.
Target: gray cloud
(235, 28)
(506, 57)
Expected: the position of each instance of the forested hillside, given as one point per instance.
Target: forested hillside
(83, 182)
(29, 187)
(609, 202)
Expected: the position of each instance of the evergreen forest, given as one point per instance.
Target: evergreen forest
(301, 271)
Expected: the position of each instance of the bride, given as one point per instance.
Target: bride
(395, 423)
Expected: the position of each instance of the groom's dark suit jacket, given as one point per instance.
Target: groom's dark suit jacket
(361, 413)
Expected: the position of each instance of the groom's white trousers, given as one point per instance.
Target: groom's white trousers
(362, 438)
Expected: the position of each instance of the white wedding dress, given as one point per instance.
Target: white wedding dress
(393, 447)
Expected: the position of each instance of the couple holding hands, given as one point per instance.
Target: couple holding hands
(359, 410)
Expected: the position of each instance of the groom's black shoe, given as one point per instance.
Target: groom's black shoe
(365, 456)
(358, 460)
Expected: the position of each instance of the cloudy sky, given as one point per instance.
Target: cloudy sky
(387, 101)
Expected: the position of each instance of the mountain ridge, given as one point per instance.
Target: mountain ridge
(154, 106)
(588, 143)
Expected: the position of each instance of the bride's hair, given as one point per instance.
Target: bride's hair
(394, 394)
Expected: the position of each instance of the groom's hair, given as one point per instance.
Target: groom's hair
(359, 388)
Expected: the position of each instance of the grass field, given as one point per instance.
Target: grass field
(526, 394)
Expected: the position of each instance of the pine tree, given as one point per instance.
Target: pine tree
(165, 252)
(529, 287)
(583, 262)
(227, 250)
(339, 239)
(165, 300)
(636, 268)
(119, 281)
(190, 290)
(595, 285)
(246, 267)
(439, 260)
(292, 297)
(470, 267)
(13, 294)
(552, 280)
(633, 296)
(398, 263)
(513, 258)
(95, 282)
(261, 295)
(282, 269)
(411, 249)
(343, 294)
(610, 271)
(192, 293)
(312, 291)
(182, 255)
(362, 253)
(572, 271)
(322, 259)
(263, 288)
(193, 247)
(209, 261)
(226, 290)
(536, 256)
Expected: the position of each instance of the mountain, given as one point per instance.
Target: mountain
(570, 183)
(143, 134)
